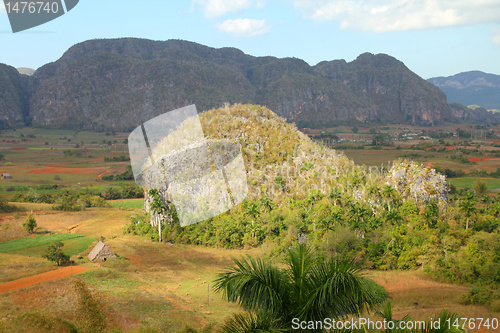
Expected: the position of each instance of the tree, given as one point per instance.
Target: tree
(252, 210)
(336, 196)
(30, 224)
(355, 129)
(389, 193)
(308, 289)
(158, 208)
(267, 203)
(394, 217)
(480, 186)
(358, 216)
(431, 214)
(495, 209)
(468, 207)
(54, 253)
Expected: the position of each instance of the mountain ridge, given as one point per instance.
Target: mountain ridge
(119, 83)
(471, 88)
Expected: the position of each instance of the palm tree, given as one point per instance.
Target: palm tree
(389, 193)
(158, 208)
(468, 207)
(252, 210)
(394, 217)
(358, 217)
(267, 203)
(495, 209)
(328, 224)
(307, 289)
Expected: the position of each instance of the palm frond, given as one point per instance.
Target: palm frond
(255, 285)
(300, 262)
(250, 322)
(386, 313)
(337, 290)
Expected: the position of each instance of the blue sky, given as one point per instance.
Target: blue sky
(432, 37)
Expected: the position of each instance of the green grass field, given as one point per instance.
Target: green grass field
(127, 204)
(71, 247)
(468, 182)
(36, 241)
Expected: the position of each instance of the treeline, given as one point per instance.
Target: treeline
(127, 175)
(69, 200)
(121, 158)
(19, 188)
(449, 173)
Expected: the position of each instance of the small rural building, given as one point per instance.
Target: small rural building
(101, 252)
(6, 176)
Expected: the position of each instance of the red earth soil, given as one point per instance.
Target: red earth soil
(102, 174)
(39, 278)
(19, 148)
(483, 159)
(59, 169)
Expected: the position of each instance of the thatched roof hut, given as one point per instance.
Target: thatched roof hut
(101, 252)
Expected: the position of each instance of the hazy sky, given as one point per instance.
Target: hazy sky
(432, 37)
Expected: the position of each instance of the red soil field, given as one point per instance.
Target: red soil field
(39, 278)
(60, 169)
(483, 159)
(18, 148)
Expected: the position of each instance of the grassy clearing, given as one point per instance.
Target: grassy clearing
(14, 266)
(127, 204)
(468, 182)
(30, 242)
(71, 247)
(414, 293)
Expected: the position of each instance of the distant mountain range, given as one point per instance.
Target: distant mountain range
(120, 83)
(471, 88)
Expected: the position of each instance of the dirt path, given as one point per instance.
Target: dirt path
(39, 278)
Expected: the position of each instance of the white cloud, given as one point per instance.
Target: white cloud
(400, 15)
(243, 27)
(495, 36)
(217, 8)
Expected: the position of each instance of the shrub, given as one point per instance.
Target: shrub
(30, 224)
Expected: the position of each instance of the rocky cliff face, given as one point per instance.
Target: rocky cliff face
(117, 84)
(391, 92)
(478, 116)
(13, 97)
